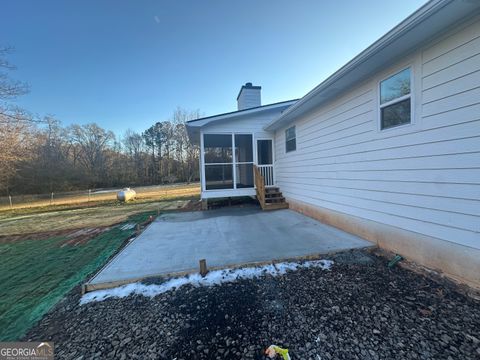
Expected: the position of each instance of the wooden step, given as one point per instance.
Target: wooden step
(274, 200)
(274, 189)
(276, 206)
(273, 194)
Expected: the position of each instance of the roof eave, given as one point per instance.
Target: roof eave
(194, 126)
(386, 40)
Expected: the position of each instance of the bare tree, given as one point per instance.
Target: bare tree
(15, 148)
(39, 155)
(14, 139)
(135, 147)
(187, 153)
(10, 90)
(93, 141)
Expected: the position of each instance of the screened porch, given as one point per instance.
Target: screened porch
(227, 161)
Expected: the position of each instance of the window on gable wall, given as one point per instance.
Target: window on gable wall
(395, 100)
(290, 139)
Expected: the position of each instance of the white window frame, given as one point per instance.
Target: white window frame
(410, 96)
(256, 148)
(233, 163)
(295, 138)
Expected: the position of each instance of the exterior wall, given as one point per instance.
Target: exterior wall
(252, 124)
(422, 178)
(249, 98)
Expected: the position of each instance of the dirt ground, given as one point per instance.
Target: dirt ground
(359, 309)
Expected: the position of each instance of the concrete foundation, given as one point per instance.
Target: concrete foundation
(459, 263)
(175, 242)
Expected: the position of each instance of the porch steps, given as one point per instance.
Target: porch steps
(273, 195)
(276, 206)
(274, 199)
(270, 198)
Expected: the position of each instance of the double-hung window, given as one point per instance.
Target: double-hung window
(290, 139)
(396, 100)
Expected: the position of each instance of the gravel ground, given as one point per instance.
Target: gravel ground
(360, 309)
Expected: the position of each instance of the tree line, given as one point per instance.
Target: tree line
(41, 155)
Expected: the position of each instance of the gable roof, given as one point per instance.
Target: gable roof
(194, 126)
(430, 20)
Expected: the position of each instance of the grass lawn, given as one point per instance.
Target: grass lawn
(38, 203)
(101, 214)
(45, 254)
(36, 274)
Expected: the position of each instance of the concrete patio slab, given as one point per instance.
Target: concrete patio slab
(175, 242)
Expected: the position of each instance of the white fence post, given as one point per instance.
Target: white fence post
(10, 199)
(51, 199)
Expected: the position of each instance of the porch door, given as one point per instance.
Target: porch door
(265, 160)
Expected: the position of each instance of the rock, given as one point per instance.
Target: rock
(358, 308)
(445, 338)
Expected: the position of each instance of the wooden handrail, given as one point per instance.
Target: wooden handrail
(259, 186)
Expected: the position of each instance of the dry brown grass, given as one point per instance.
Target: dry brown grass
(101, 213)
(147, 193)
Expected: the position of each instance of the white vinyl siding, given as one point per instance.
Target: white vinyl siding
(425, 177)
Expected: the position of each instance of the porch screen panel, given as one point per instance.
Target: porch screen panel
(218, 157)
(244, 161)
(217, 148)
(218, 177)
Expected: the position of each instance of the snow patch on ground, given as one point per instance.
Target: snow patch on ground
(216, 277)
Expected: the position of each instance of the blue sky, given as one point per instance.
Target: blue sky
(127, 64)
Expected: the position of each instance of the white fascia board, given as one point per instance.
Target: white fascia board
(193, 127)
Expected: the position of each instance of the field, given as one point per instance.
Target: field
(82, 198)
(48, 250)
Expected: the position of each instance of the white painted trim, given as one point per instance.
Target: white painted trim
(233, 163)
(378, 106)
(202, 163)
(414, 65)
(295, 138)
(273, 148)
(272, 139)
(211, 194)
(397, 100)
(205, 121)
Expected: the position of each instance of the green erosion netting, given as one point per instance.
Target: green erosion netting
(36, 274)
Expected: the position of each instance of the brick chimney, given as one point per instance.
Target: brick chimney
(249, 96)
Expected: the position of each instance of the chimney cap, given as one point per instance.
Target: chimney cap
(248, 85)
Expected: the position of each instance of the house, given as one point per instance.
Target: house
(223, 173)
(387, 147)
